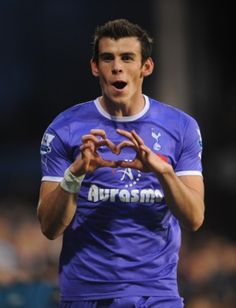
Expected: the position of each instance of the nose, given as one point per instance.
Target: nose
(116, 71)
(117, 68)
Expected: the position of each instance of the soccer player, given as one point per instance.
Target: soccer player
(121, 173)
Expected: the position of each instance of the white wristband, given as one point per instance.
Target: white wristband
(70, 182)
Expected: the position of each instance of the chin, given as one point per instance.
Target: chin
(120, 101)
(118, 98)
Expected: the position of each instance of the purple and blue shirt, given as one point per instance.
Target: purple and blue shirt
(123, 240)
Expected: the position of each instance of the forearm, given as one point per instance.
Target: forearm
(55, 210)
(185, 202)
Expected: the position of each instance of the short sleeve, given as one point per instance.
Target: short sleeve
(189, 162)
(54, 156)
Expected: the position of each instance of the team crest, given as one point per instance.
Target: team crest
(156, 135)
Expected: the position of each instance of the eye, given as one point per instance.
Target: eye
(127, 57)
(107, 57)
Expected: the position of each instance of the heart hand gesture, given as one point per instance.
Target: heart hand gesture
(146, 160)
(89, 159)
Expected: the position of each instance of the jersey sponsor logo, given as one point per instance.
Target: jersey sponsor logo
(130, 176)
(156, 135)
(45, 144)
(97, 193)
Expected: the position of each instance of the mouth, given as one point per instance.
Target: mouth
(119, 84)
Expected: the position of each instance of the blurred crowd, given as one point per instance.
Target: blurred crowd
(25, 254)
(28, 261)
(207, 270)
(29, 264)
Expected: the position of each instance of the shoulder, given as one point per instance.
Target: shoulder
(75, 114)
(70, 121)
(170, 115)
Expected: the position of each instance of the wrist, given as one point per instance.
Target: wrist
(165, 172)
(70, 182)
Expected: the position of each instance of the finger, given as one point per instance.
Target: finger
(124, 144)
(87, 146)
(86, 138)
(146, 149)
(124, 133)
(98, 132)
(90, 139)
(127, 135)
(108, 163)
(137, 137)
(107, 143)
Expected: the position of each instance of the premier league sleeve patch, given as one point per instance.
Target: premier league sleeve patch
(45, 147)
(54, 157)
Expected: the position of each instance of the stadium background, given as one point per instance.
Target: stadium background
(44, 68)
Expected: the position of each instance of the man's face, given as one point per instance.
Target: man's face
(120, 69)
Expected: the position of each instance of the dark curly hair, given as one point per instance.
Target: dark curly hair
(120, 28)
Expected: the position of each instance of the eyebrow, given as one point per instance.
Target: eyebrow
(128, 53)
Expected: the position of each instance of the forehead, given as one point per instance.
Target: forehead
(122, 45)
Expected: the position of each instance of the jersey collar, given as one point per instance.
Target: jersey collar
(123, 119)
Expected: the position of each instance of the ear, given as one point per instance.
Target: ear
(148, 67)
(94, 68)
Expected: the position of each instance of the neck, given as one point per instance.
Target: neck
(123, 108)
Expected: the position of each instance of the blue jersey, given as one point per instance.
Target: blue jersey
(123, 239)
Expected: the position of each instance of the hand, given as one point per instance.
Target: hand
(89, 159)
(146, 160)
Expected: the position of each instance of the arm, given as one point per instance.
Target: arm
(184, 195)
(185, 198)
(57, 207)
